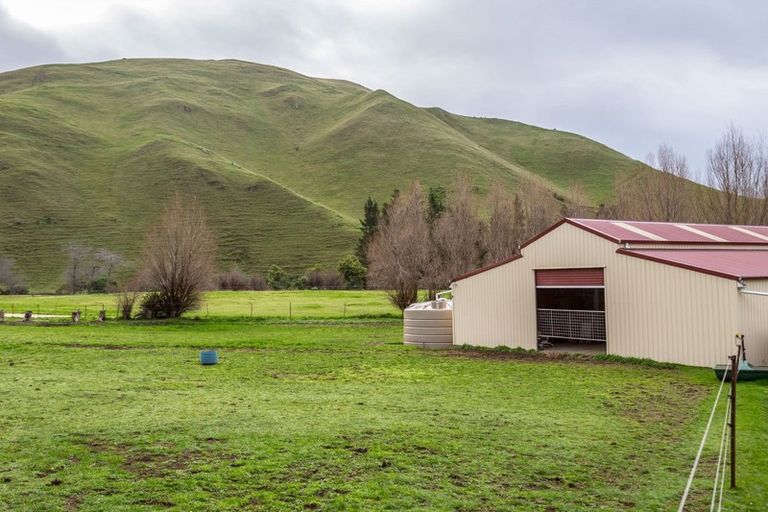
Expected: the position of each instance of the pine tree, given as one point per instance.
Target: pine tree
(435, 203)
(385, 206)
(368, 225)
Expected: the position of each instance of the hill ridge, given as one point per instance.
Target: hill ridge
(90, 152)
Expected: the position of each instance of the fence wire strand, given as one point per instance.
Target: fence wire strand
(701, 446)
(720, 459)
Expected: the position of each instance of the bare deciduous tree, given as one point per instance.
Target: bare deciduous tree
(128, 295)
(738, 168)
(86, 266)
(399, 254)
(108, 263)
(664, 194)
(457, 237)
(180, 257)
(539, 208)
(11, 280)
(234, 280)
(503, 231)
(578, 203)
(79, 260)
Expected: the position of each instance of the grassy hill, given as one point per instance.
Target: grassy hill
(282, 162)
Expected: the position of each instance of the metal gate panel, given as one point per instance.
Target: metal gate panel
(571, 324)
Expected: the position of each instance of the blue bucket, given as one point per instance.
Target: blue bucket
(208, 357)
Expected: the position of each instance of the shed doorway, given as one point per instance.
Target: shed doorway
(570, 310)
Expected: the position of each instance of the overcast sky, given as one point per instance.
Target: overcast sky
(631, 74)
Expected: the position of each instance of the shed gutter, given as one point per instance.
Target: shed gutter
(743, 289)
(752, 292)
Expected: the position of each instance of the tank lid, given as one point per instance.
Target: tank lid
(432, 304)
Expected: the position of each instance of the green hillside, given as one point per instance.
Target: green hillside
(282, 162)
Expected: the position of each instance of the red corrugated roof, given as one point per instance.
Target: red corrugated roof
(749, 266)
(673, 232)
(728, 263)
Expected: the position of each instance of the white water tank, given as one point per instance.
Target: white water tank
(429, 324)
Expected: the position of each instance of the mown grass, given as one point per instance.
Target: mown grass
(334, 415)
(282, 162)
(291, 304)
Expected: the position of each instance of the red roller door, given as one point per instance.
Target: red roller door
(570, 278)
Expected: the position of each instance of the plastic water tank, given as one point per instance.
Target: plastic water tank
(429, 324)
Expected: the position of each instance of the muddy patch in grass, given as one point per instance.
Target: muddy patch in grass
(104, 446)
(669, 406)
(162, 459)
(519, 354)
(98, 346)
(73, 502)
(156, 503)
(148, 464)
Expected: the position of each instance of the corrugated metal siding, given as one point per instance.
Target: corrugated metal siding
(668, 313)
(493, 308)
(570, 277)
(753, 317)
(498, 307)
(652, 310)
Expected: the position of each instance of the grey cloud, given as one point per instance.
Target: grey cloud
(630, 74)
(22, 46)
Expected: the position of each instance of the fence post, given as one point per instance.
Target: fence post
(734, 377)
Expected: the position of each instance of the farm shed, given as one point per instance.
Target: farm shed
(674, 292)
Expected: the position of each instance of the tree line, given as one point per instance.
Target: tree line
(179, 263)
(736, 174)
(422, 240)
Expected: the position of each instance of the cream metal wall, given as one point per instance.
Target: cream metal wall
(667, 313)
(753, 317)
(653, 310)
(498, 307)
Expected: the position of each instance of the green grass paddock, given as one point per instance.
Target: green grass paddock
(262, 304)
(339, 415)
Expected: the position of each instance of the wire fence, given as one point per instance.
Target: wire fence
(726, 444)
(273, 309)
